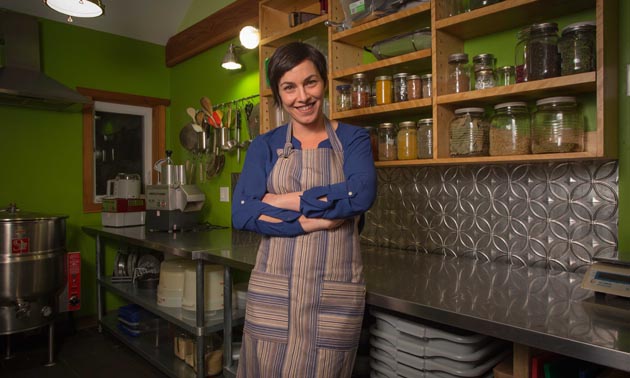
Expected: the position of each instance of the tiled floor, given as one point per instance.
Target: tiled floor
(83, 353)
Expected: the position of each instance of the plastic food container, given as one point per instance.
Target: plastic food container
(213, 288)
(402, 44)
(171, 287)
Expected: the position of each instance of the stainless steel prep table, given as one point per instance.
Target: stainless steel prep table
(528, 306)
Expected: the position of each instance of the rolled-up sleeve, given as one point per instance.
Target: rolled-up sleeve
(247, 205)
(353, 196)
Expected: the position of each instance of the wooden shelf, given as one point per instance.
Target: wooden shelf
(414, 62)
(398, 109)
(507, 15)
(314, 27)
(394, 24)
(529, 91)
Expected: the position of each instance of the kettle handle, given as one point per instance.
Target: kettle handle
(110, 188)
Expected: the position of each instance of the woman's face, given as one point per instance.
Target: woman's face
(302, 92)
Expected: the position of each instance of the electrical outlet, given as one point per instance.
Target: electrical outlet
(224, 194)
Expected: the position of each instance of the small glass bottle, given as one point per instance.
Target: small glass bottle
(458, 73)
(505, 76)
(387, 142)
(468, 133)
(427, 82)
(425, 138)
(414, 87)
(510, 129)
(360, 91)
(407, 140)
(543, 59)
(520, 55)
(344, 97)
(577, 48)
(383, 90)
(557, 126)
(400, 87)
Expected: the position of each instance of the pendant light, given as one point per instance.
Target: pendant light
(230, 62)
(76, 8)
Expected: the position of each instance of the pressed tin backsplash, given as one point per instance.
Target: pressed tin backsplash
(553, 215)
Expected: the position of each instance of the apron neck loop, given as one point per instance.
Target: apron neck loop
(287, 142)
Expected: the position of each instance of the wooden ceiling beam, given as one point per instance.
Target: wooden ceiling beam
(211, 31)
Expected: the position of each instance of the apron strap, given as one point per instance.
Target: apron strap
(332, 137)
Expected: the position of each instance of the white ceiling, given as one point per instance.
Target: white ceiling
(153, 21)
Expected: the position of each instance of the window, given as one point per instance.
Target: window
(121, 134)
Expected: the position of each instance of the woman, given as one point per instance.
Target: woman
(304, 186)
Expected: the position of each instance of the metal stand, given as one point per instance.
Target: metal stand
(201, 319)
(100, 296)
(7, 352)
(51, 345)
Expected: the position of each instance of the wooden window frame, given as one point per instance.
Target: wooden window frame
(158, 106)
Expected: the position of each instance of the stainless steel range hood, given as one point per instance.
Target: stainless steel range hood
(21, 81)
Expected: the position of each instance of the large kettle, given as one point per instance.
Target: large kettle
(169, 173)
(125, 185)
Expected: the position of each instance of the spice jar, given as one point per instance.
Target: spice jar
(414, 87)
(387, 142)
(400, 87)
(483, 62)
(373, 140)
(458, 73)
(407, 140)
(427, 82)
(577, 48)
(543, 60)
(468, 133)
(344, 97)
(425, 138)
(557, 126)
(484, 71)
(383, 90)
(505, 76)
(520, 55)
(510, 129)
(360, 91)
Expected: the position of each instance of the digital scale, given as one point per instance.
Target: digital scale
(608, 276)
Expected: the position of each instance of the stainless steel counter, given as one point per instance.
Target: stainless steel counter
(529, 306)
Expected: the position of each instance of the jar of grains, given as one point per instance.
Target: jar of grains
(344, 97)
(400, 87)
(373, 139)
(577, 48)
(468, 133)
(387, 142)
(360, 91)
(425, 138)
(557, 126)
(407, 140)
(543, 59)
(458, 73)
(414, 87)
(520, 55)
(427, 82)
(383, 90)
(510, 129)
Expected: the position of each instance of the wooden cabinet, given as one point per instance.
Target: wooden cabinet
(346, 56)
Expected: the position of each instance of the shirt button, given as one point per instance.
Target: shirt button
(349, 193)
(242, 202)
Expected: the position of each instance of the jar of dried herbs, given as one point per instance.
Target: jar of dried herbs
(414, 87)
(557, 126)
(468, 133)
(387, 142)
(400, 87)
(510, 129)
(425, 138)
(543, 59)
(458, 73)
(577, 48)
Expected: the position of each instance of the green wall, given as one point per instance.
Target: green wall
(624, 130)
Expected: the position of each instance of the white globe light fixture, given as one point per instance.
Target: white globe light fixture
(249, 37)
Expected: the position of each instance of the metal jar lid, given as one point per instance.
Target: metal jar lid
(344, 87)
(483, 58)
(579, 26)
(358, 76)
(556, 100)
(12, 214)
(468, 110)
(386, 125)
(545, 27)
(426, 76)
(425, 122)
(506, 69)
(458, 58)
(382, 78)
(407, 124)
(400, 75)
(511, 105)
(413, 77)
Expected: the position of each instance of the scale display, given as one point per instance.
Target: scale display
(608, 276)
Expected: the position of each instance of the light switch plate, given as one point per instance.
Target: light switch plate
(224, 194)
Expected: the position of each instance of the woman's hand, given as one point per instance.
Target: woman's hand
(288, 201)
(318, 224)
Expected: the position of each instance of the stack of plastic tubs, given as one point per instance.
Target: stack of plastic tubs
(402, 348)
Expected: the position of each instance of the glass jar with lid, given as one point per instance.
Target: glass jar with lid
(425, 138)
(483, 62)
(543, 59)
(510, 129)
(484, 79)
(400, 87)
(458, 73)
(344, 97)
(360, 91)
(557, 126)
(387, 142)
(577, 48)
(383, 90)
(427, 83)
(520, 55)
(407, 140)
(414, 87)
(505, 76)
(468, 133)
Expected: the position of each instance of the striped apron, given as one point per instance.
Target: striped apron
(306, 294)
